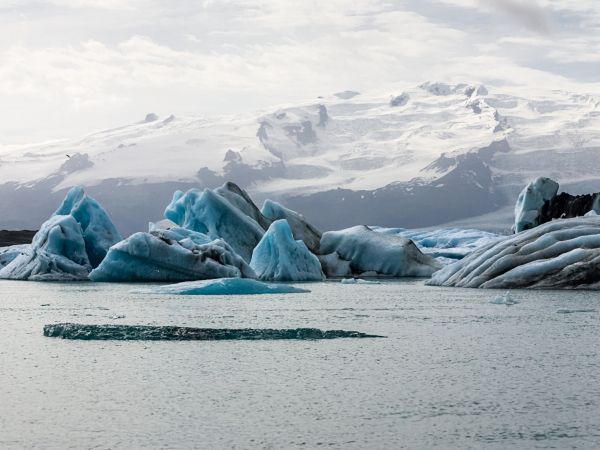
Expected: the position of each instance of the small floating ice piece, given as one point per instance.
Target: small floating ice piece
(571, 311)
(173, 333)
(358, 281)
(222, 286)
(505, 299)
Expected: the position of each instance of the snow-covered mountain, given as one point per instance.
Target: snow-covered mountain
(428, 155)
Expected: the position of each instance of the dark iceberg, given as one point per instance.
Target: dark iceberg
(173, 333)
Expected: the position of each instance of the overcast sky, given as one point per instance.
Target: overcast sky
(70, 67)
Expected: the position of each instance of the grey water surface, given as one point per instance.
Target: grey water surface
(455, 371)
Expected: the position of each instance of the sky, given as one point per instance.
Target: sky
(71, 67)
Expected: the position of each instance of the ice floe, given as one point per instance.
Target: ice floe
(223, 286)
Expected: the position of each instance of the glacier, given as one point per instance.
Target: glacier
(562, 254)
(57, 253)
(301, 229)
(278, 257)
(99, 233)
(530, 202)
(374, 254)
(213, 214)
(222, 286)
(176, 254)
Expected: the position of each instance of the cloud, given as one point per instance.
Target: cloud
(527, 13)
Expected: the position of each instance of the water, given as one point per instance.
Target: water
(454, 371)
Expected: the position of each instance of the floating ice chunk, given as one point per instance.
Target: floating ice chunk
(505, 299)
(99, 233)
(57, 253)
(173, 333)
(170, 255)
(209, 213)
(334, 266)
(358, 281)
(572, 311)
(377, 254)
(278, 257)
(561, 254)
(242, 201)
(301, 229)
(530, 202)
(223, 286)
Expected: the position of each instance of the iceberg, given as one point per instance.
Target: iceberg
(214, 215)
(175, 254)
(301, 229)
(445, 244)
(242, 201)
(223, 286)
(358, 281)
(278, 257)
(375, 254)
(8, 254)
(173, 333)
(99, 233)
(562, 254)
(57, 253)
(505, 299)
(530, 202)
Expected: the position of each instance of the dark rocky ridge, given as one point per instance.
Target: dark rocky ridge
(16, 237)
(566, 206)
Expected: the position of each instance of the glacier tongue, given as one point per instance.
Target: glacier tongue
(278, 257)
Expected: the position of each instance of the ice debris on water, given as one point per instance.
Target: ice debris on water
(571, 311)
(222, 286)
(174, 333)
(358, 281)
(505, 299)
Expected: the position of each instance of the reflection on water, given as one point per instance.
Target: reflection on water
(455, 370)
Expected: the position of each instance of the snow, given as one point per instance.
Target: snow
(445, 244)
(99, 233)
(223, 286)
(209, 213)
(170, 255)
(57, 253)
(531, 200)
(561, 254)
(278, 257)
(376, 254)
(301, 229)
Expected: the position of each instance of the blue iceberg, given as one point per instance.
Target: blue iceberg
(57, 253)
(374, 254)
(209, 213)
(99, 233)
(301, 229)
(223, 286)
(530, 202)
(278, 257)
(8, 254)
(174, 254)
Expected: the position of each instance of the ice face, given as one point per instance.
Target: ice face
(301, 229)
(99, 233)
(170, 255)
(242, 201)
(556, 255)
(223, 286)
(171, 333)
(376, 254)
(57, 253)
(209, 213)
(278, 257)
(8, 254)
(531, 200)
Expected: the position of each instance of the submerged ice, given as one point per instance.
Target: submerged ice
(223, 286)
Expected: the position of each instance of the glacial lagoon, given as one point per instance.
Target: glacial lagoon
(454, 371)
